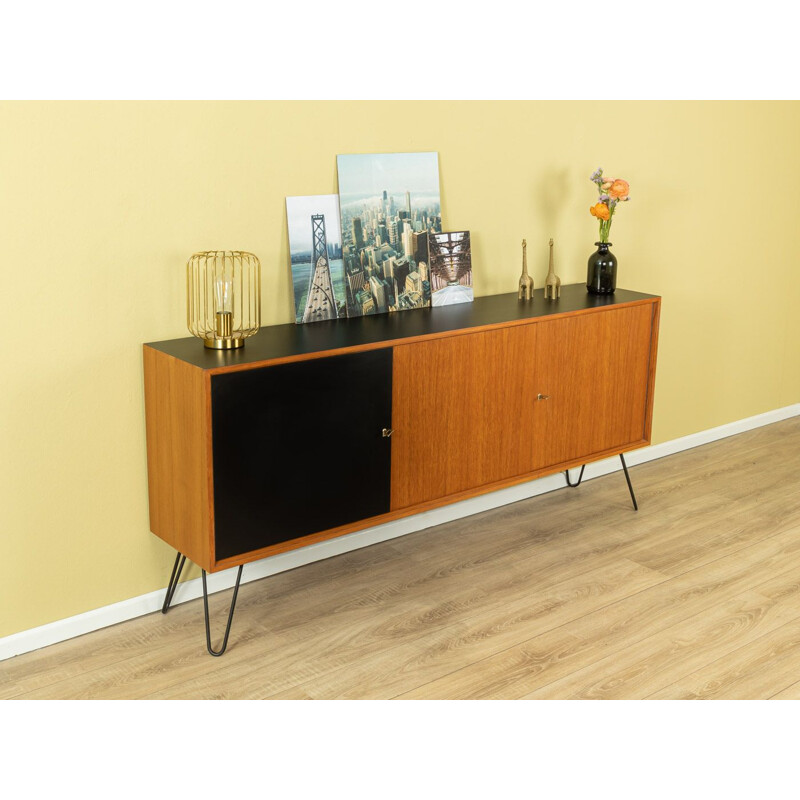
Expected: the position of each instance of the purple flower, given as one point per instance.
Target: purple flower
(597, 174)
(603, 198)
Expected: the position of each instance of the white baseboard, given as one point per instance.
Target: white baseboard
(64, 629)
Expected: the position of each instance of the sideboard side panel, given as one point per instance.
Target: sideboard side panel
(651, 377)
(176, 413)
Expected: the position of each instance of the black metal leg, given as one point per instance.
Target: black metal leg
(628, 478)
(580, 477)
(173, 582)
(230, 614)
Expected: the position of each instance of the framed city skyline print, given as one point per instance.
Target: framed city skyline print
(450, 268)
(389, 203)
(315, 250)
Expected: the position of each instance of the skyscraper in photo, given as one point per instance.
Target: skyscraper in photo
(408, 241)
(420, 244)
(414, 282)
(356, 281)
(364, 302)
(401, 270)
(378, 291)
(358, 233)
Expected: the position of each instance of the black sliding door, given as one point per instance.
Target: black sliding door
(298, 448)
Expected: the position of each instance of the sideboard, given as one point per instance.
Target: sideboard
(313, 431)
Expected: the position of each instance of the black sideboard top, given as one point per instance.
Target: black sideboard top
(285, 341)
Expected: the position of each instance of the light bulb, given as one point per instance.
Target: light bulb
(223, 293)
(223, 304)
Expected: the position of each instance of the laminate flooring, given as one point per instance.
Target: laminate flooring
(566, 595)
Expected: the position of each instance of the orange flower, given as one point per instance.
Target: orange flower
(619, 189)
(601, 211)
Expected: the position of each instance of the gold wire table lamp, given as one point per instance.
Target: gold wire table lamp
(223, 294)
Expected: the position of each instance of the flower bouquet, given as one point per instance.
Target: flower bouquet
(612, 192)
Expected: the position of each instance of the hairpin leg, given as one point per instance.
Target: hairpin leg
(580, 477)
(173, 582)
(230, 614)
(628, 478)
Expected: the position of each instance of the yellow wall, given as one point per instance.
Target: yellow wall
(102, 203)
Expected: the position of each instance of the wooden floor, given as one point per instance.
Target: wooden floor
(566, 595)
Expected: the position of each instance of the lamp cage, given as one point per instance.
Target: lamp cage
(223, 297)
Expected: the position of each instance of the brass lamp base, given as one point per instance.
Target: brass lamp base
(223, 344)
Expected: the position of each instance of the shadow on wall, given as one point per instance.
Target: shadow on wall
(551, 195)
(550, 198)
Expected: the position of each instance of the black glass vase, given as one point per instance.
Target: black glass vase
(601, 276)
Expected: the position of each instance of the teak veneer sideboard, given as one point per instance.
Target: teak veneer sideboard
(314, 431)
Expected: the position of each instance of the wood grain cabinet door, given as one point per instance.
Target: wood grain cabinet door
(593, 368)
(462, 411)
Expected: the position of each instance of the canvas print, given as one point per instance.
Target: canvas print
(389, 203)
(315, 247)
(450, 268)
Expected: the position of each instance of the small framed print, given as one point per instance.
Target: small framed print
(450, 268)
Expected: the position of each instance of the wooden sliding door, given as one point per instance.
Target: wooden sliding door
(462, 413)
(475, 409)
(593, 368)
